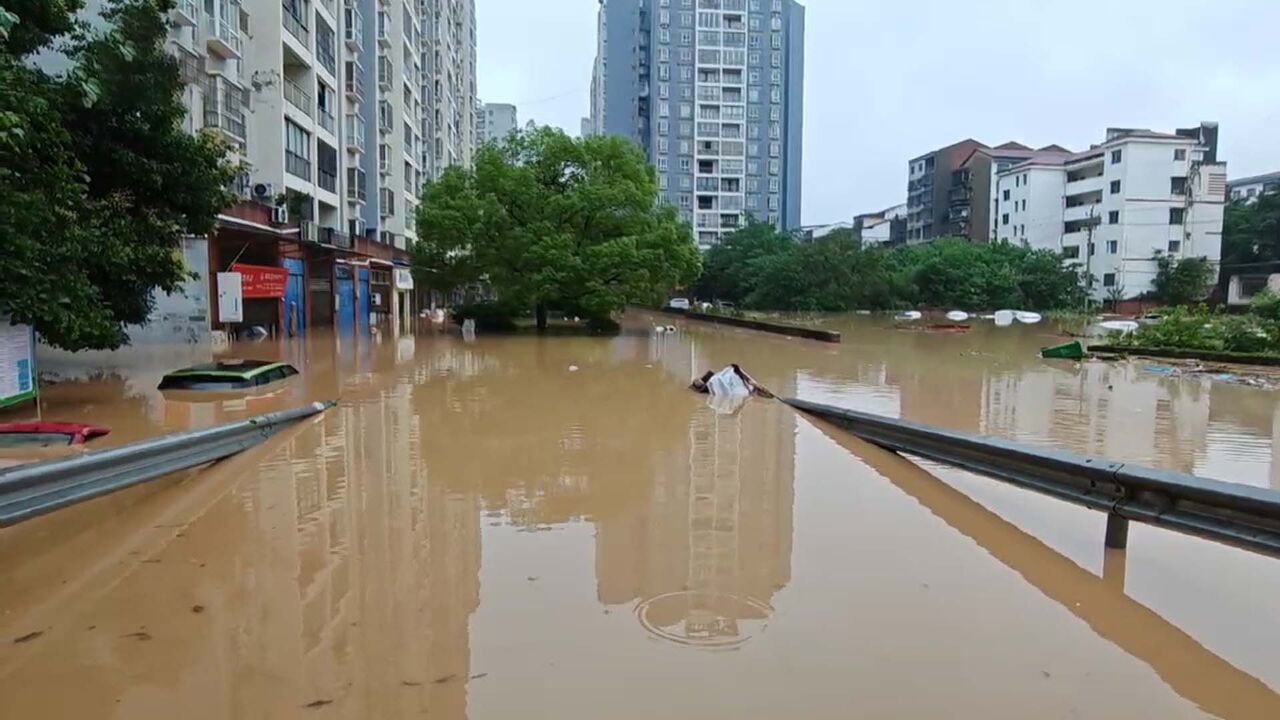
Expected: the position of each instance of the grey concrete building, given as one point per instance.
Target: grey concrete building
(929, 183)
(713, 92)
(495, 121)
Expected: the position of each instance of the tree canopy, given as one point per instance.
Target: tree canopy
(98, 179)
(1251, 230)
(763, 268)
(545, 220)
(1183, 281)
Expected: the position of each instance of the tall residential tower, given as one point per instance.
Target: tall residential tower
(713, 92)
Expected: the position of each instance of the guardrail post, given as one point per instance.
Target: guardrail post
(1117, 532)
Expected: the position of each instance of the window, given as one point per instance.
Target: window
(1115, 187)
(1071, 252)
(1108, 280)
(662, 163)
(1004, 219)
(1180, 154)
(1006, 196)
(1177, 215)
(1022, 230)
(1175, 246)
(1093, 249)
(1178, 186)
(1017, 181)
(1113, 217)
(685, 164)
(1113, 247)
(1115, 157)
(1024, 204)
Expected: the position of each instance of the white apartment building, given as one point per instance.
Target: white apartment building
(495, 121)
(1118, 206)
(450, 58)
(333, 101)
(1249, 188)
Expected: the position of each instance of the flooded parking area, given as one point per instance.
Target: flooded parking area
(557, 528)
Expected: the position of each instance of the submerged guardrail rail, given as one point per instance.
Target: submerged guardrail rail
(36, 489)
(1240, 515)
(768, 326)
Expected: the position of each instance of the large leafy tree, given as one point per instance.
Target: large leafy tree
(1183, 281)
(98, 179)
(1251, 230)
(731, 267)
(546, 220)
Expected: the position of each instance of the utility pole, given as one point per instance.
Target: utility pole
(1088, 260)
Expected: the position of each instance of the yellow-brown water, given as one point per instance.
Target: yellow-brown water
(556, 528)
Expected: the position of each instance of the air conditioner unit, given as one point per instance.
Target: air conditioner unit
(265, 192)
(357, 227)
(279, 215)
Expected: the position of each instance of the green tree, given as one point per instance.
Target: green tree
(731, 269)
(551, 221)
(1251, 230)
(1182, 282)
(98, 179)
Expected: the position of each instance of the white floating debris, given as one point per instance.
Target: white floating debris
(1004, 318)
(1120, 326)
(908, 316)
(957, 316)
(1028, 318)
(573, 368)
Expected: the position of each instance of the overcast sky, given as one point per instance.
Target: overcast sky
(887, 80)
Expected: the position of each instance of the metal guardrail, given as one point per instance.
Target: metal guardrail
(1240, 515)
(29, 491)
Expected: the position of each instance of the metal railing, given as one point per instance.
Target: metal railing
(1240, 515)
(225, 33)
(296, 27)
(29, 491)
(297, 97)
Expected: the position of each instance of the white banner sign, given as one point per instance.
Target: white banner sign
(404, 279)
(17, 364)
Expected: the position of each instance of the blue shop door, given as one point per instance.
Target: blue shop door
(345, 295)
(295, 308)
(362, 305)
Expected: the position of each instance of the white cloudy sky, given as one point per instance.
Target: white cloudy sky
(890, 79)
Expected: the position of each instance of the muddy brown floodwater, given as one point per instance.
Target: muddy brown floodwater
(556, 528)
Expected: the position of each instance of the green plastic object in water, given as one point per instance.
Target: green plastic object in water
(1073, 350)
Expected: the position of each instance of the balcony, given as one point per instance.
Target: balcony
(327, 179)
(355, 133)
(327, 121)
(308, 232)
(356, 191)
(353, 82)
(297, 97)
(385, 72)
(296, 27)
(297, 165)
(187, 13)
(224, 37)
(334, 238)
(384, 29)
(224, 110)
(1085, 184)
(353, 27)
(1089, 211)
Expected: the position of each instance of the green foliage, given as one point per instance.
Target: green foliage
(546, 220)
(764, 269)
(1195, 328)
(1182, 282)
(1251, 230)
(98, 179)
(1266, 305)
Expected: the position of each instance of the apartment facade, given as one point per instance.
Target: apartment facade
(930, 179)
(712, 91)
(1115, 208)
(972, 200)
(1247, 189)
(496, 121)
(328, 105)
(449, 123)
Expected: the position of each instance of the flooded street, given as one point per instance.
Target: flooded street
(556, 528)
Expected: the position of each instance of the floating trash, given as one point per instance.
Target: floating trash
(1028, 318)
(1004, 318)
(908, 316)
(1120, 326)
(957, 316)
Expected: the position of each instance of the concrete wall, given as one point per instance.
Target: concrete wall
(1039, 190)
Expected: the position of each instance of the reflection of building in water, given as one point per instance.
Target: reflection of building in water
(713, 543)
(387, 563)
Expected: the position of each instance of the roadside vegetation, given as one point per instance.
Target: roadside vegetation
(99, 181)
(760, 268)
(1199, 328)
(545, 224)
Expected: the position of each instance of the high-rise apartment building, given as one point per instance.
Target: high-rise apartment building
(1116, 208)
(929, 183)
(495, 121)
(450, 55)
(340, 110)
(713, 92)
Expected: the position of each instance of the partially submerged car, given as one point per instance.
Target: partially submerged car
(227, 375)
